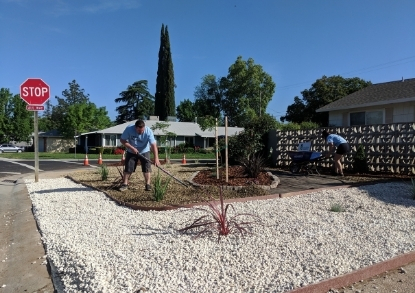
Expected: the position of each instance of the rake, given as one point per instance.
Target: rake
(165, 171)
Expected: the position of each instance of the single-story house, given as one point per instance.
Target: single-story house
(53, 141)
(186, 132)
(382, 103)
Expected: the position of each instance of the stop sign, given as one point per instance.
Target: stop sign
(34, 91)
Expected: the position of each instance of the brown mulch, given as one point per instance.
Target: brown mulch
(176, 194)
(236, 177)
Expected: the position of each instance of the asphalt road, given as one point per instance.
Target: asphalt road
(10, 167)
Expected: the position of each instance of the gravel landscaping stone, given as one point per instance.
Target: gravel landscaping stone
(96, 245)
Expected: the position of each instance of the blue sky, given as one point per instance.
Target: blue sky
(106, 45)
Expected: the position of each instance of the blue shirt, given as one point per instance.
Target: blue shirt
(140, 141)
(335, 139)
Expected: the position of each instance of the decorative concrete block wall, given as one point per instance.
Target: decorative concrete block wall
(388, 147)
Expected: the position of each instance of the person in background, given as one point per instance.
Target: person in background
(138, 139)
(338, 145)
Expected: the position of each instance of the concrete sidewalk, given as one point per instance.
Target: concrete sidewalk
(23, 263)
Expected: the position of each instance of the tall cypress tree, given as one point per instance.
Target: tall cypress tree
(165, 104)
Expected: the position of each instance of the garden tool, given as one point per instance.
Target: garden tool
(165, 171)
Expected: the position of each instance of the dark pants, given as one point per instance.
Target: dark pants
(131, 161)
(343, 148)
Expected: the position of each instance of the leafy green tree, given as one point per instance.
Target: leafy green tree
(139, 103)
(73, 95)
(207, 122)
(261, 125)
(45, 122)
(84, 117)
(21, 122)
(209, 97)
(185, 111)
(248, 90)
(75, 114)
(165, 104)
(322, 92)
(241, 146)
(241, 96)
(16, 123)
(5, 114)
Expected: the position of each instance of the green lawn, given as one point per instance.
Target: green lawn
(30, 155)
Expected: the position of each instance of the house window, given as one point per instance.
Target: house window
(357, 118)
(374, 117)
(110, 140)
(366, 118)
(188, 140)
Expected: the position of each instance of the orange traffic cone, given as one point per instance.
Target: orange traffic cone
(100, 159)
(86, 163)
(184, 159)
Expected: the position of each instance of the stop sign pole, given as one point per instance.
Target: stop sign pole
(35, 92)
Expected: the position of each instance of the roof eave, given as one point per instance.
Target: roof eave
(380, 103)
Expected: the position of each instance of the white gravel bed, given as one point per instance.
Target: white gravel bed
(94, 245)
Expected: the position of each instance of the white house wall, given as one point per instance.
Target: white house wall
(404, 113)
(392, 113)
(56, 145)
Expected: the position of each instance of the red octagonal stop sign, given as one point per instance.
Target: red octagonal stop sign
(34, 91)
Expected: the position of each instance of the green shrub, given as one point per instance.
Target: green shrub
(337, 208)
(100, 150)
(103, 171)
(360, 161)
(261, 126)
(254, 164)
(159, 187)
(241, 146)
(108, 150)
(296, 126)
(309, 125)
(189, 150)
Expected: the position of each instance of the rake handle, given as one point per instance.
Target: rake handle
(168, 173)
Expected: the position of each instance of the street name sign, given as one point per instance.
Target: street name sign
(35, 107)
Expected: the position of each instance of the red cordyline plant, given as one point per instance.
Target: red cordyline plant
(219, 220)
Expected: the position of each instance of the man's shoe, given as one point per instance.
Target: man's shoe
(123, 187)
(148, 187)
